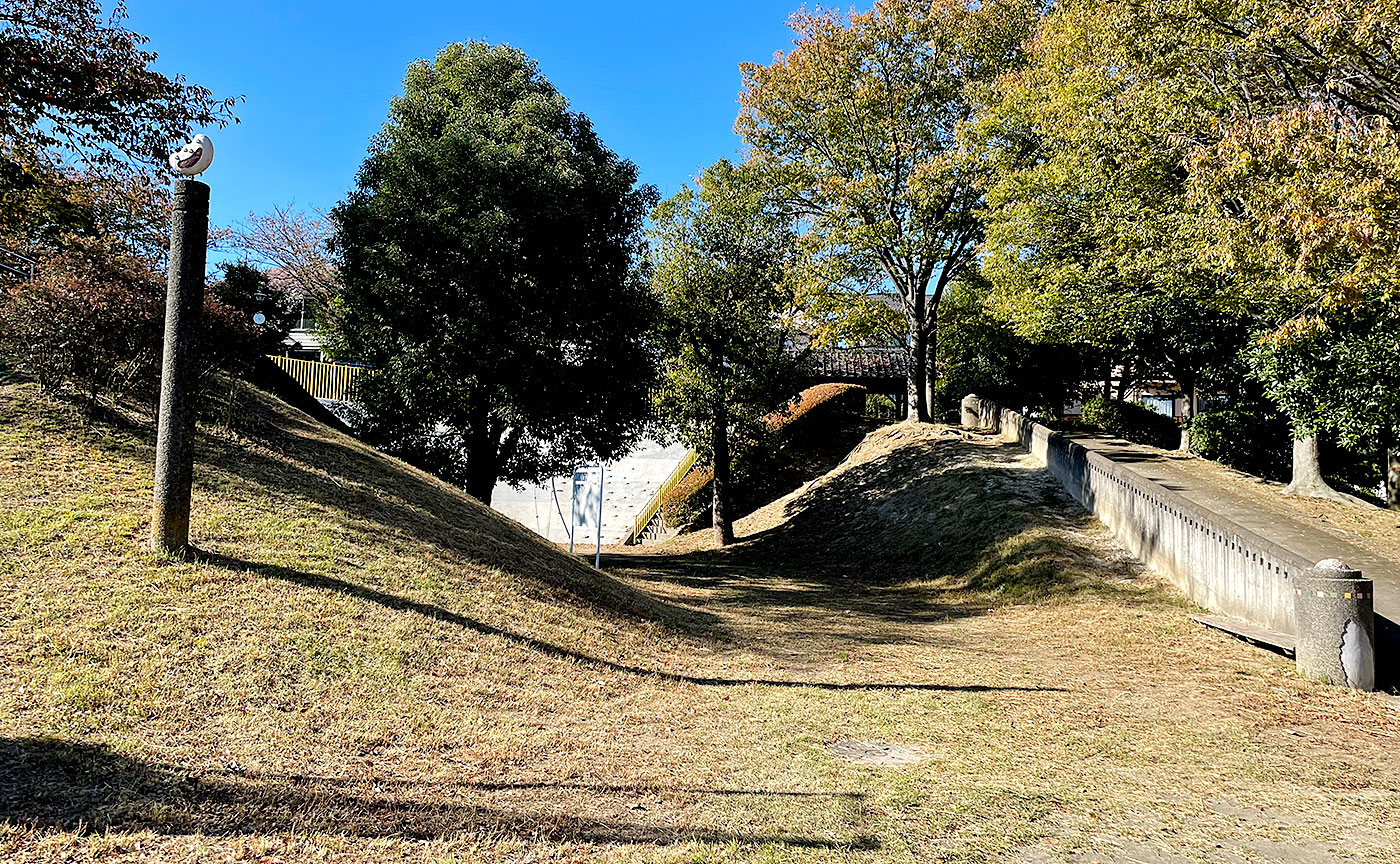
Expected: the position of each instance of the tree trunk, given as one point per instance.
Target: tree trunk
(720, 509)
(483, 458)
(1108, 379)
(931, 365)
(1188, 411)
(480, 481)
(1307, 474)
(1392, 474)
(918, 363)
(917, 412)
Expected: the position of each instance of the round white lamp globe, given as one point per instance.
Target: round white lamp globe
(194, 157)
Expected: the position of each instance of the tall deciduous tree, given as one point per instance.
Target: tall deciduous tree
(296, 245)
(1234, 154)
(74, 80)
(726, 318)
(856, 130)
(1092, 236)
(1338, 375)
(1303, 168)
(490, 268)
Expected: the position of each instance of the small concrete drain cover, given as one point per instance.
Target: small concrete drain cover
(875, 753)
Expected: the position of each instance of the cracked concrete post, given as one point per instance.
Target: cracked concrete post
(971, 412)
(1334, 608)
(175, 430)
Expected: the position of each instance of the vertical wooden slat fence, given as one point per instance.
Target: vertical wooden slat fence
(330, 381)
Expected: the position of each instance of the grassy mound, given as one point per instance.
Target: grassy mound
(916, 503)
(341, 602)
(366, 667)
(810, 438)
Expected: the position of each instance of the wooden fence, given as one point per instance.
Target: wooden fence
(330, 381)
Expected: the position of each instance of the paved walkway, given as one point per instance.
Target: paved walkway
(1291, 530)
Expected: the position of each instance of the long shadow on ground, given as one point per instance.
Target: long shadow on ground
(438, 613)
(936, 528)
(301, 465)
(93, 789)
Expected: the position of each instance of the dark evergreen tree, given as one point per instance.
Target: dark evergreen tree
(491, 270)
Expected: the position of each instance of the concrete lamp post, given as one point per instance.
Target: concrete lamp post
(184, 305)
(1334, 608)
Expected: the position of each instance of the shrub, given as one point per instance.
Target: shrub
(1136, 423)
(822, 399)
(93, 317)
(248, 291)
(1249, 441)
(880, 407)
(762, 468)
(687, 505)
(90, 318)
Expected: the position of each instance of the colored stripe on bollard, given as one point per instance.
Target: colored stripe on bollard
(1333, 606)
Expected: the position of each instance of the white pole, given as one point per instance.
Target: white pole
(598, 549)
(573, 499)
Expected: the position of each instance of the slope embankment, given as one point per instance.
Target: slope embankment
(928, 648)
(341, 605)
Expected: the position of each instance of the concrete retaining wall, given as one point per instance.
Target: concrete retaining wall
(1217, 563)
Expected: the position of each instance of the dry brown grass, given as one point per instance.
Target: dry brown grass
(369, 667)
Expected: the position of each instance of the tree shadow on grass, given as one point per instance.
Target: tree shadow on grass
(92, 789)
(936, 529)
(437, 613)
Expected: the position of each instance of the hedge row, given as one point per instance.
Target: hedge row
(1133, 421)
(1248, 441)
(92, 320)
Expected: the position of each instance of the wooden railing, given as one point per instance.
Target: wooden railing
(329, 381)
(654, 502)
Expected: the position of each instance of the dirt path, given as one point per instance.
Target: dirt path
(1072, 711)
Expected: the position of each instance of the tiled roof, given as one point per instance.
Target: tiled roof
(858, 363)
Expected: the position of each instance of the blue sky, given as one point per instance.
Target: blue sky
(659, 80)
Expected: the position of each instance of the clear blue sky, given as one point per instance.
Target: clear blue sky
(659, 80)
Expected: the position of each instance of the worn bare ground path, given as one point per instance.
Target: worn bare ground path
(928, 655)
(1107, 727)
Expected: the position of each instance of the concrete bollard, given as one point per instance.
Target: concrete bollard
(971, 412)
(1334, 608)
(175, 426)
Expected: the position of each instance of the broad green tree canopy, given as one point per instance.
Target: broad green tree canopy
(727, 314)
(856, 133)
(490, 268)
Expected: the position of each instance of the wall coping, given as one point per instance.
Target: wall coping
(1028, 429)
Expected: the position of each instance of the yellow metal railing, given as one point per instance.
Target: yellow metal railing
(654, 502)
(331, 381)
